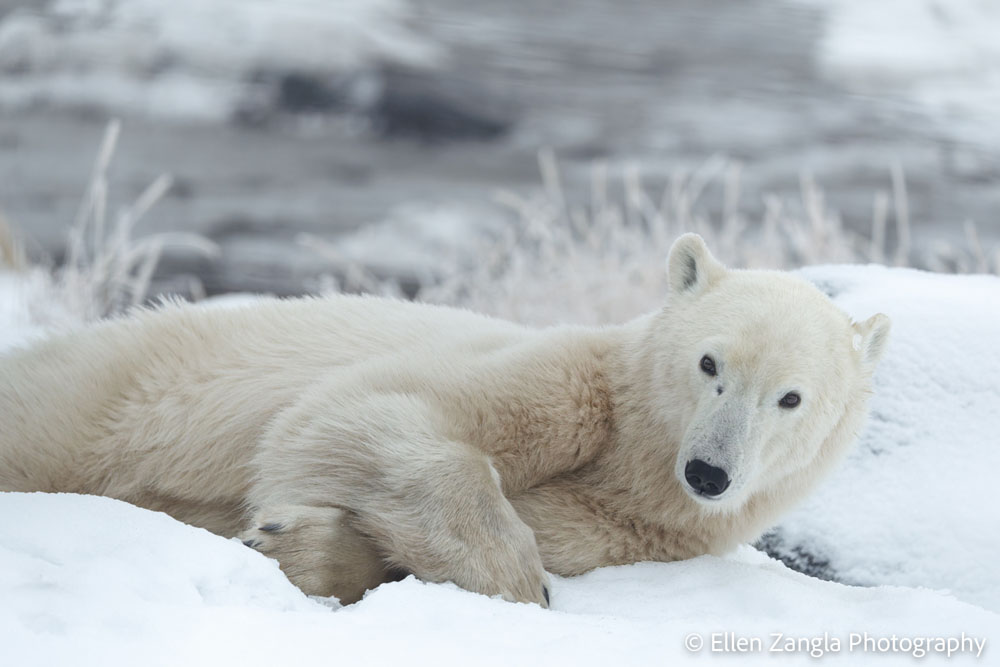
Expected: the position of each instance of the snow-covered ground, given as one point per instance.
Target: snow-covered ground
(87, 580)
(94, 581)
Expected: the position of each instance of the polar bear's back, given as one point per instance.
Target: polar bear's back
(196, 382)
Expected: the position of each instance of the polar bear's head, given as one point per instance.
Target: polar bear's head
(765, 377)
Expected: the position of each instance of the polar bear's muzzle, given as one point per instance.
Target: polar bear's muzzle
(705, 478)
(718, 450)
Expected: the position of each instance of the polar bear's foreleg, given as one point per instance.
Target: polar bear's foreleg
(429, 505)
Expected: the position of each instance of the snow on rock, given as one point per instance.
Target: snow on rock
(914, 504)
(191, 58)
(93, 581)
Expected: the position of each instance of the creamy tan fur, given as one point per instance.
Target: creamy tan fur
(353, 438)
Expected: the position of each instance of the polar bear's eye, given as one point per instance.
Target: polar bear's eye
(708, 365)
(790, 400)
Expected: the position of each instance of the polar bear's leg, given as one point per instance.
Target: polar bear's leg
(431, 506)
(445, 518)
(318, 550)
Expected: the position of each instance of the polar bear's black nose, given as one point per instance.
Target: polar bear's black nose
(706, 478)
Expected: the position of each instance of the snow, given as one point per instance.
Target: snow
(191, 59)
(944, 55)
(94, 581)
(29, 309)
(923, 37)
(87, 580)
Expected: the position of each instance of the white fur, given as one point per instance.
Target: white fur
(354, 438)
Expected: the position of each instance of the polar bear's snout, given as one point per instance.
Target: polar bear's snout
(705, 478)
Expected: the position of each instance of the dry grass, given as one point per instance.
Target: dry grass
(106, 270)
(12, 254)
(602, 260)
(560, 260)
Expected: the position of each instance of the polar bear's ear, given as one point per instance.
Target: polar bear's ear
(871, 338)
(691, 267)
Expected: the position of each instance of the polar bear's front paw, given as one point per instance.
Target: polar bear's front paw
(512, 570)
(530, 587)
(318, 550)
(529, 584)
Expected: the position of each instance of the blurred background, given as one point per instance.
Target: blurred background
(529, 159)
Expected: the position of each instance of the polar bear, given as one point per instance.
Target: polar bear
(358, 438)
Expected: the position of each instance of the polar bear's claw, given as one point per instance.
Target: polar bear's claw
(271, 528)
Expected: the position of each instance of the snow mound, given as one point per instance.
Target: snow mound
(914, 504)
(94, 581)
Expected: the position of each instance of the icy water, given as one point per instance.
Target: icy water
(661, 85)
